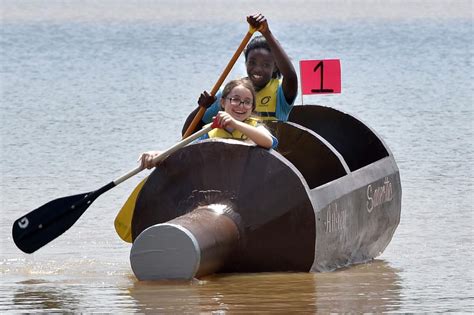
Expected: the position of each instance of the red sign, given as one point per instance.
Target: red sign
(320, 76)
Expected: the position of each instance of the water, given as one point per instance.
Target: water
(88, 85)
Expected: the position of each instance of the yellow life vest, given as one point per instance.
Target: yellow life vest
(267, 101)
(235, 134)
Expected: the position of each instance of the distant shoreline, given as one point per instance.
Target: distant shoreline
(225, 11)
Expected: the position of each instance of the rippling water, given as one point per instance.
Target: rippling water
(86, 86)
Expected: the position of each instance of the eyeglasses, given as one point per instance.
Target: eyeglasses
(234, 101)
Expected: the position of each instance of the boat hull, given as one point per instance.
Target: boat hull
(315, 204)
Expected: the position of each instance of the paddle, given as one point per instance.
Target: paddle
(221, 79)
(44, 224)
(123, 220)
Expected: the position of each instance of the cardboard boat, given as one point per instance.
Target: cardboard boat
(328, 197)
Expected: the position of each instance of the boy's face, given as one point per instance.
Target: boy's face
(260, 67)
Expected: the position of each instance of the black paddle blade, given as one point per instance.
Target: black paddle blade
(42, 225)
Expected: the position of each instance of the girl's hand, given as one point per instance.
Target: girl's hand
(146, 159)
(205, 99)
(225, 120)
(259, 22)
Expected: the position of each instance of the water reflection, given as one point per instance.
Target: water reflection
(60, 295)
(38, 295)
(373, 287)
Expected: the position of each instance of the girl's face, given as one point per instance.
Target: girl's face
(238, 103)
(260, 67)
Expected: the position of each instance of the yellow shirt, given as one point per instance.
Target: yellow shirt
(267, 100)
(235, 134)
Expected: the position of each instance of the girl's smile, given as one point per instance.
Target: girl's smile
(238, 103)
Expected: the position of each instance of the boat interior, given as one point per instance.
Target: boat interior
(336, 143)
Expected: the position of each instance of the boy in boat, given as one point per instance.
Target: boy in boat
(237, 103)
(271, 73)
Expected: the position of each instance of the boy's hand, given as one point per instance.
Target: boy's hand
(205, 99)
(259, 22)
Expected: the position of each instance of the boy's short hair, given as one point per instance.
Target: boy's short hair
(259, 42)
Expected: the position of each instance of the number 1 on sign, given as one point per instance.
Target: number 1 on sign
(320, 76)
(321, 89)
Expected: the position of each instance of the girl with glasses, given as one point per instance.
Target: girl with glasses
(237, 104)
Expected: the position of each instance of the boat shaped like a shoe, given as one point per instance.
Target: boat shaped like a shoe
(327, 197)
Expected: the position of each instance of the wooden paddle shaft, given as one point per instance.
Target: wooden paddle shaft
(221, 79)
